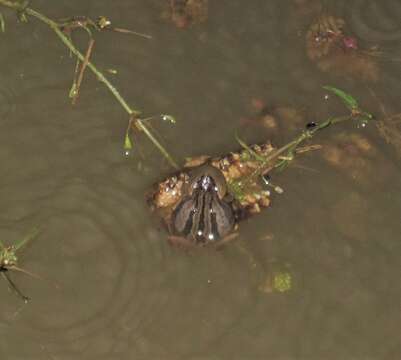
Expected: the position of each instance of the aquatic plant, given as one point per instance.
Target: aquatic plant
(246, 172)
(63, 29)
(280, 158)
(9, 261)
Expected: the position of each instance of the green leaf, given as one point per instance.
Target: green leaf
(349, 101)
(247, 148)
(235, 188)
(281, 165)
(127, 142)
(323, 125)
(73, 91)
(32, 234)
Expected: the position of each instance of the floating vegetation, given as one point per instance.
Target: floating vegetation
(9, 261)
(190, 200)
(63, 29)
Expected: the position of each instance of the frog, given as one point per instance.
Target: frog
(205, 214)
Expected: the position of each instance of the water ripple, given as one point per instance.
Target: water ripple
(99, 263)
(376, 20)
(122, 287)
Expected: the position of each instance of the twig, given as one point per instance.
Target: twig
(81, 72)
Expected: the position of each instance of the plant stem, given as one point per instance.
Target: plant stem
(81, 72)
(266, 163)
(14, 287)
(132, 112)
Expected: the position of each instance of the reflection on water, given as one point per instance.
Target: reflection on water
(124, 292)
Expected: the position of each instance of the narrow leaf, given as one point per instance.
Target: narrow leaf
(323, 125)
(33, 233)
(246, 147)
(281, 165)
(73, 91)
(349, 101)
(127, 142)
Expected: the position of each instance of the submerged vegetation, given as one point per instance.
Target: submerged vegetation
(334, 50)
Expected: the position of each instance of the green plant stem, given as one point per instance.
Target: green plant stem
(266, 164)
(132, 112)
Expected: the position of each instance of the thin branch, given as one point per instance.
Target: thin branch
(81, 72)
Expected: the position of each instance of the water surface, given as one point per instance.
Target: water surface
(125, 294)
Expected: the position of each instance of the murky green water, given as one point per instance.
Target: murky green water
(124, 293)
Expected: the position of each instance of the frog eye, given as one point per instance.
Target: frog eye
(216, 189)
(211, 236)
